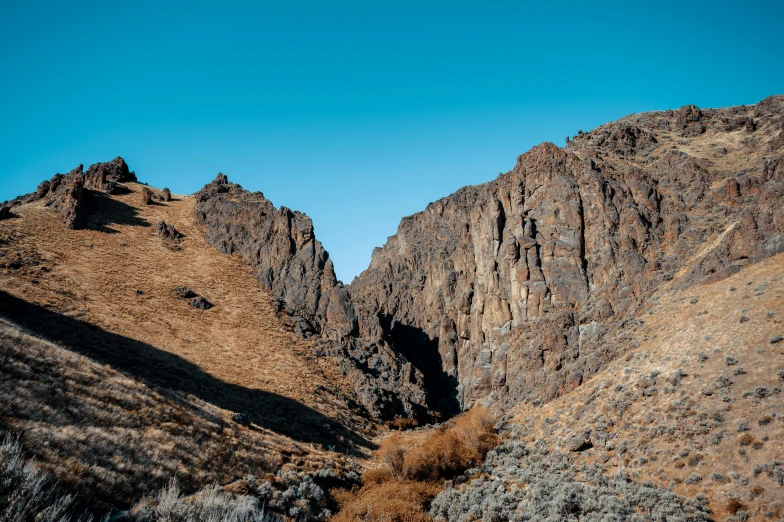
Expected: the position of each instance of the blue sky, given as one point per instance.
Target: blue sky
(356, 113)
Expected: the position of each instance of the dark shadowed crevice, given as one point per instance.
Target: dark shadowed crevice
(422, 352)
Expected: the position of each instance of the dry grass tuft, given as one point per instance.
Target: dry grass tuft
(451, 450)
(734, 505)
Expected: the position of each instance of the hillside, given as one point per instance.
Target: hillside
(153, 381)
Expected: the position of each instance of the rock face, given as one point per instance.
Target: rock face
(107, 176)
(517, 289)
(281, 247)
(286, 257)
(520, 283)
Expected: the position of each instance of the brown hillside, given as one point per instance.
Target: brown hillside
(108, 293)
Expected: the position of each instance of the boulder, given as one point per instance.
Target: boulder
(146, 196)
(167, 231)
(184, 292)
(200, 302)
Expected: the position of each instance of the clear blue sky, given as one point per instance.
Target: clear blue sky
(357, 113)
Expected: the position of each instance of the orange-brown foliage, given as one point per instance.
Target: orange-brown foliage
(411, 478)
(396, 500)
(452, 449)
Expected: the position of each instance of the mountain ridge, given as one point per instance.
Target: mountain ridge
(512, 294)
(532, 237)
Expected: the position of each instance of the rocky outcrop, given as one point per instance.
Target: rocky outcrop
(167, 231)
(524, 287)
(165, 195)
(280, 246)
(108, 176)
(69, 194)
(146, 196)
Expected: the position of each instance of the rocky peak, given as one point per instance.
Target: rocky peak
(282, 249)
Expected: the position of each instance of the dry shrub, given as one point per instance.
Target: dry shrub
(396, 500)
(402, 424)
(411, 478)
(733, 506)
(393, 455)
(453, 449)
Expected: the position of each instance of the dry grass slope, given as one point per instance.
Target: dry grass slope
(141, 387)
(112, 438)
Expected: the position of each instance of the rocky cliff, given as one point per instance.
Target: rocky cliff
(520, 284)
(280, 246)
(519, 289)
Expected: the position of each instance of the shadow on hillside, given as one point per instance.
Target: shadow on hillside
(422, 352)
(105, 210)
(169, 371)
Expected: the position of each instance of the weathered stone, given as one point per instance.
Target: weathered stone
(68, 196)
(42, 190)
(69, 193)
(100, 175)
(167, 231)
(145, 196)
(200, 302)
(280, 246)
(165, 195)
(184, 292)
